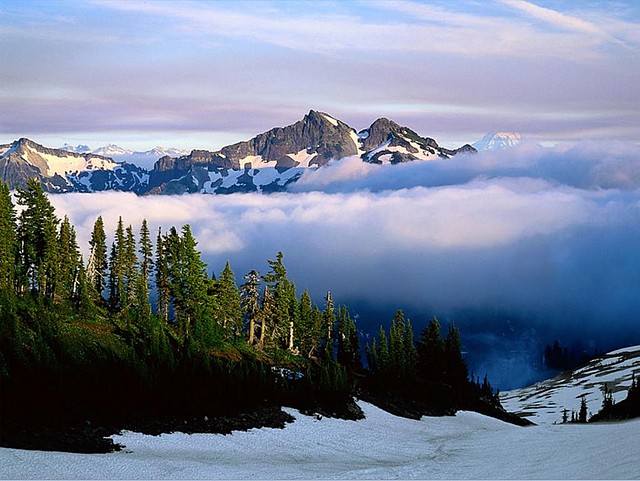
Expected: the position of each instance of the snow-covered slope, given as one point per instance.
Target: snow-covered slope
(544, 402)
(382, 446)
(498, 141)
(65, 171)
(145, 158)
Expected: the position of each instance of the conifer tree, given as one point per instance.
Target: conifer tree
(98, 261)
(348, 341)
(142, 286)
(329, 316)
(117, 286)
(162, 278)
(431, 352)
(250, 295)
(130, 267)
(279, 290)
(8, 244)
(455, 368)
(228, 307)
(69, 259)
(37, 241)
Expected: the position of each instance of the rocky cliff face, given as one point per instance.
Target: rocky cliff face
(268, 162)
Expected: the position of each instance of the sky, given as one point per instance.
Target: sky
(194, 74)
(519, 247)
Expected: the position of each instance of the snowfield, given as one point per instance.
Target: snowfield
(544, 402)
(382, 446)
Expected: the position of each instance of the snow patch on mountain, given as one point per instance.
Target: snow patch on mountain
(498, 141)
(544, 402)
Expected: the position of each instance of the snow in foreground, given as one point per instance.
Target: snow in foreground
(380, 447)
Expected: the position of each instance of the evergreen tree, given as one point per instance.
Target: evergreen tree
(162, 278)
(130, 268)
(98, 261)
(582, 414)
(329, 316)
(348, 341)
(70, 262)
(37, 241)
(8, 245)
(142, 286)
(279, 290)
(250, 296)
(431, 352)
(456, 372)
(228, 306)
(117, 285)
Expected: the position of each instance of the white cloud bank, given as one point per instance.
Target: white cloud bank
(549, 236)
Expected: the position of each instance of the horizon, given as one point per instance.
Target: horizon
(192, 75)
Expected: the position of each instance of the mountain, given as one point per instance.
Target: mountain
(544, 402)
(272, 160)
(144, 159)
(268, 162)
(498, 141)
(64, 171)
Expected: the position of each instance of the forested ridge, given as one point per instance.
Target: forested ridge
(83, 347)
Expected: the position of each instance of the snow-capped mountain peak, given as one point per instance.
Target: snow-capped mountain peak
(498, 141)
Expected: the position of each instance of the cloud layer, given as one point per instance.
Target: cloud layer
(519, 247)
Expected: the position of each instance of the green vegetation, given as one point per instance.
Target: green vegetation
(83, 344)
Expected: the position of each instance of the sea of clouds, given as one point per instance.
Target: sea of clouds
(519, 247)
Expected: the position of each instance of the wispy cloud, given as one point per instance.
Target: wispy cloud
(563, 21)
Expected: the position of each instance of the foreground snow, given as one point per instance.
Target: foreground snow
(380, 447)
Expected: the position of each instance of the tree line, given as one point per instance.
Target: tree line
(90, 336)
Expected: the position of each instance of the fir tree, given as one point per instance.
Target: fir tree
(329, 316)
(162, 278)
(98, 262)
(228, 307)
(37, 240)
(250, 296)
(117, 286)
(431, 352)
(8, 245)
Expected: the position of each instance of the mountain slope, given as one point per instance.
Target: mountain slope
(544, 402)
(64, 171)
(268, 162)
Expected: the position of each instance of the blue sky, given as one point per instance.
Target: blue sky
(205, 74)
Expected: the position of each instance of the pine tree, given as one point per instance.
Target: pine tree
(130, 268)
(162, 278)
(228, 307)
(8, 245)
(455, 368)
(117, 286)
(142, 286)
(37, 240)
(431, 352)
(329, 316)
(348, 343)
(98, 261)
(279, 290)
(582, 414)
(250, 295)
(70, 261)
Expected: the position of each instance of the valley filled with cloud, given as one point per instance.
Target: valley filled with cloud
(519, 247)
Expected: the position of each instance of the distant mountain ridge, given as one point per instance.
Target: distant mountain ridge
(498, 141)
(268, 162)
